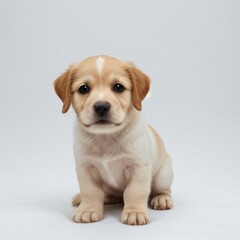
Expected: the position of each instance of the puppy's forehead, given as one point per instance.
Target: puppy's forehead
(100, 66)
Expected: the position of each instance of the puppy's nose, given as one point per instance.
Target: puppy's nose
(101, 108)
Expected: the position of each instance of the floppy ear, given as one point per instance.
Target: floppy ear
(62, 86)
(140, 85)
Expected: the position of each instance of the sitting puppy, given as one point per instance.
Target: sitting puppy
(119, 157)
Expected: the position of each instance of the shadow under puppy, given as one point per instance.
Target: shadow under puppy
(119, 157)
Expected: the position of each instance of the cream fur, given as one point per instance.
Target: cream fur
(128, 162)
(124, 160)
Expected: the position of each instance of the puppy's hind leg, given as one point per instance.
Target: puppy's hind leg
(161, 187)
(76, 200)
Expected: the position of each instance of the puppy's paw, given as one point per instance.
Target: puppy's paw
(76, 200)
(135, 217)
(87, 216)
(161, 202)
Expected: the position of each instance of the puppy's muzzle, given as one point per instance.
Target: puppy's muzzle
(101, 108)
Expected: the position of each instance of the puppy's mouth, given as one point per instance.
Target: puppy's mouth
(102, 122)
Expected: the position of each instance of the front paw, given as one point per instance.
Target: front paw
(135, 217)
(87, 216)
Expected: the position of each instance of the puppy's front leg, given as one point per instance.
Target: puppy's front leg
(92, 197)
(136, 195)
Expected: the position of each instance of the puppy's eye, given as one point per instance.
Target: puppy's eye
(118, 87)
(84, 89)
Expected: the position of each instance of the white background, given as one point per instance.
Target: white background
(190, 49)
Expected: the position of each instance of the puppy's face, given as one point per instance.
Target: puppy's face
(102, 90)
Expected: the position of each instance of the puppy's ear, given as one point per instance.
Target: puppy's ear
(140, 85)
(62, 86)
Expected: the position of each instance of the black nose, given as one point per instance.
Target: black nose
(101, 108)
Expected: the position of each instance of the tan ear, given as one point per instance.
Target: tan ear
(62, 86)
(141, 85)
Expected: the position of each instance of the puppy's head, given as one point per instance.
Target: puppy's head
(103, 91)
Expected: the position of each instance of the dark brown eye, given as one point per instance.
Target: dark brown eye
(118, 87)
(84, 89)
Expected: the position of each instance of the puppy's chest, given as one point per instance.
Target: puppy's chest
(112, 161)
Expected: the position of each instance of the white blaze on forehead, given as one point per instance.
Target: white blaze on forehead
(100, 61)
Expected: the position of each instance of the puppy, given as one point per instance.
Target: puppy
(119, 157)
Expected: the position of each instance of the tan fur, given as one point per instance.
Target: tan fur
(62, 86)
(141, 85)
(160, 145)
(124, 159)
